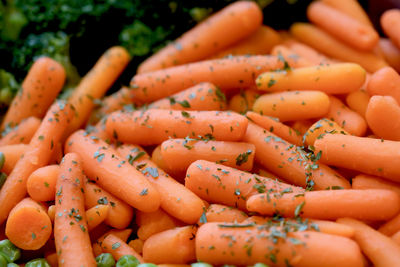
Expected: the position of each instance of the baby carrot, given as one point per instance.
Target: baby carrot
(390, 52)
(178, 154)
(119, 215)
(368, 204)
(292, 58)
(309, 53)
(157, 248)
(38, 155)
(156, 125)
(12, 154)
(233, 23)
(118, 248)
(137, 245)
(363, 181)
(225, 185)
(203, 96)
(301, 126)
(342, 26)
(117, 176)
(28, 225)
(385, 81)
(244, 101)
(351, 8)
(151, 223)
(22, 133)
(242, 244)
(367, 155)
(95, 83)
(70, 224)
(121, 234)
(158, 159)
(390, 22)
(258, 43)
(96, 215)
(291, 163)
(383, 117)
(41, 184)
(151, 86)
(320, 128)
(51, 211)
(349, 120)
(290, 106)
(391, 226)
(222, 213)
(175, 198)
(380, 249)
(340, 78)
(39, 89)
(274, 126)
(358, 101)
(327, 44)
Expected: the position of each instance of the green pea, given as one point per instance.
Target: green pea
(105, 260)
(260, 265)
(147, 265)
(3, 261)
(11, 264)
(201, 264)
(128, 261)
(9, 250)
(37, 263)
(2, 160)
(3, 178)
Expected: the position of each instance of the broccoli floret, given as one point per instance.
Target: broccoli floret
(12, 20)
(54, 45)
(8, 88)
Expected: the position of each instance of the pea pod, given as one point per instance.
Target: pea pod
(128, 261)
(10, 252)
(37, 263)
(105, 260)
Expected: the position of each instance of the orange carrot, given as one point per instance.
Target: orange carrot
(95, 84)
(70, 223)
(51, 258)
(178, 154)
(274, 126)
(137, 245)
(258, 43)
(363, 181)
(121, 234)
(96, 215)
(157, 248)
(368, 204)
(151, 223)
(203, 96)
(118, 248)
(291, 163)
(158, 159)
(244, 101)
(175, 199)
(51, 211)
(342, 26)
(41, 184)
(22, 133)
(28, 225)
(155, 85)
(383, 117)
(226, 27)
(390, 52)
(119, 215)
(332, 79)
(225, 185)
(38, 155)
(385, 81)
(222, 213)
(100, 162)
(309, 53)
(155, 125)
(39, 89)
(242, 244)
(396, 238)
(302, 126)
(320, 128)
(380, 249)
(358, 101)
(289, 106)
(12, 154)
(349, 120)
(390, 22)
(351, 8)
(292, 58)
(327, 44)
(367, 155)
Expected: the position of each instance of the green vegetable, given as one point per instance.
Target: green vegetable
(2, 160)
(147, 265)
(260, 265)
(12, 20)
(9, 250)
(37, 263)
(105, 260)
(8, 87)
(3, 261)
(128, 261)
(11, 264)
(3, 178)
(200, 264)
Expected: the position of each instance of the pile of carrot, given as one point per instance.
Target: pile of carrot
(236, 144)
